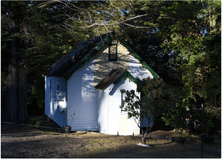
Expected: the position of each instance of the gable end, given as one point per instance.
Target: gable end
(135, 55)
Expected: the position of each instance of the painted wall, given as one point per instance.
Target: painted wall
(58, 101)
(102, 111)
(103, 66)
(82, 98)
(116, 122)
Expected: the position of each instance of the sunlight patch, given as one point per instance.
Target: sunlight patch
(143, 145)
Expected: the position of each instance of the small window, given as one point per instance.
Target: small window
(50, 87)
(113, 51)
(123, 98)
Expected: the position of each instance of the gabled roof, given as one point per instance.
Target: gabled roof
(74, 60)
(114, 77)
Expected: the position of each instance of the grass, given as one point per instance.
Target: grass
(93, 144)
(126, 146)
(101, 145)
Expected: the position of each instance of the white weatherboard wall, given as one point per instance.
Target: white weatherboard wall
(53, 104)
(137, 70)
(102, 111)
(82, 98)
(117, 122)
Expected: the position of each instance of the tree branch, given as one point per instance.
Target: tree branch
(44, 4)
(122, 22)
(135, 26)
(9, 23)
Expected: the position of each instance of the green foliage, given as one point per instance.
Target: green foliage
(38, 92)
(192, 32)
(176, 112)
(72, 115)
(205, 116)
(37, 124)
(184, 135)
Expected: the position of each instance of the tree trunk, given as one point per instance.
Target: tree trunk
(22, 94)
(145, 134)
(15, 109)
(11, 99)
(144, 137)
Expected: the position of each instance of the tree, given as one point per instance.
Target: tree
(149, 106)
(192, 28)
(16, 79)
(176, 112)
(147, 41)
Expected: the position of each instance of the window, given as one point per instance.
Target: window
(123, 98)
(50, 93)
(113, 51)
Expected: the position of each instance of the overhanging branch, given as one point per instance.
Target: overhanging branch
(103, 24)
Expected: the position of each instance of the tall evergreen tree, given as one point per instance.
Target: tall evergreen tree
(16, 78)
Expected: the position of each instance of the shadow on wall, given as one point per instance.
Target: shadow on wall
(82, 98)
(103, 66)
(115, 88)
(137, 70)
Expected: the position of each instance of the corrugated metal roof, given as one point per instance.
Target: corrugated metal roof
(108, 80)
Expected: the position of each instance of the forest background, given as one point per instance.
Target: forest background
(180, 41)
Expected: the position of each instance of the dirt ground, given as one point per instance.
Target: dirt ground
(30, 142)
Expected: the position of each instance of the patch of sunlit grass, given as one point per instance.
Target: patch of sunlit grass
(107, 143)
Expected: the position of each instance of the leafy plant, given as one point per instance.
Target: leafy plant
(37, 124)
(205, 116)
(176, 112)
(72, 116)
(64, 112)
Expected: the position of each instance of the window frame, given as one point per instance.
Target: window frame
(113, 43)
(123, 112)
